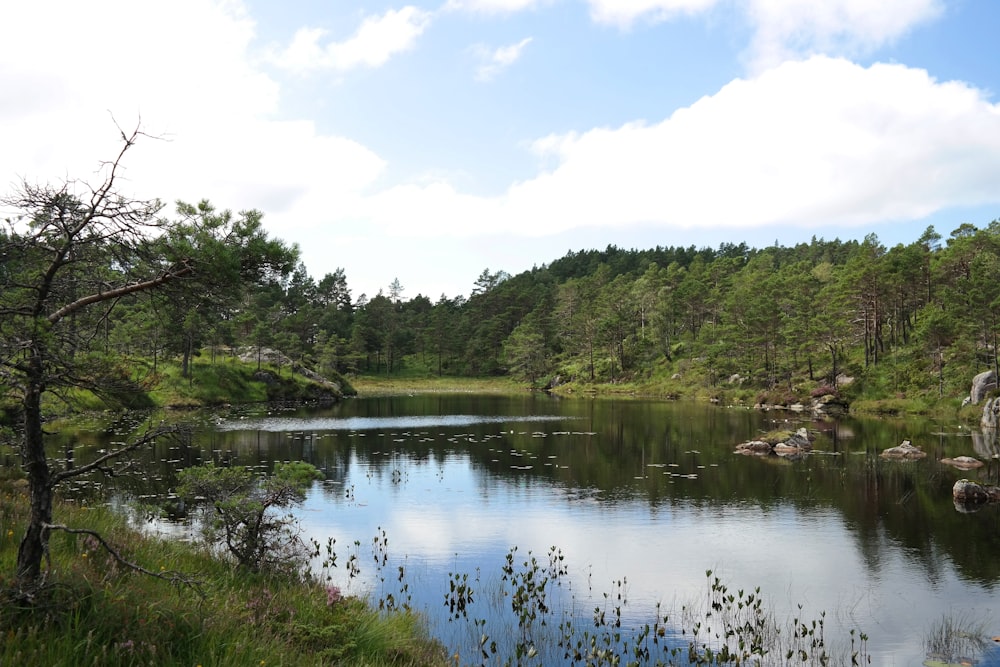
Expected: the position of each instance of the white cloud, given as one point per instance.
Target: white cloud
(623, 13)
(787, 29)
(494, 6)
(816, 142)
(105, 58)
(377, 39)
(790, 29)
(189, 80)
(497, 60)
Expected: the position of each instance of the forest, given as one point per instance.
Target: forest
(910, 320)
(915, 320)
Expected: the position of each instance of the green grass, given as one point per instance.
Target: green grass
(93, 611)
(224, 381)
(373, 385)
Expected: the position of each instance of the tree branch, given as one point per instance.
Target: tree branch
(172, 576)
(171, 274)
(147, 438)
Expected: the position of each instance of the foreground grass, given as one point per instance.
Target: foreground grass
(94, 611)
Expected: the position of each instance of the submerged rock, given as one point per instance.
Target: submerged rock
(754, 447)
(905, 451)
(963, 462)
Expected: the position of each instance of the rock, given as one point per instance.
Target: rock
(967, 492)
(798, 443)
(843, 380)
(800, 440)
(963, 462)
(735, 378)
(829, 405)
(904, 452)
(754, 447)
(981, 384)
(991, 414)
(787, 451)
(267, 377)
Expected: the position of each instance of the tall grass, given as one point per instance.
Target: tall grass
(94, 611)
(530, 617)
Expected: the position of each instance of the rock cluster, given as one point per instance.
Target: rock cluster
(795, 445)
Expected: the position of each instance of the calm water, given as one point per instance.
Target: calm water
(641, 498)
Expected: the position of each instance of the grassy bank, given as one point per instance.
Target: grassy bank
(94, 611)
(208, 383)
(376, 385)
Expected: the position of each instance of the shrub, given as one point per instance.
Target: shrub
(243, 512)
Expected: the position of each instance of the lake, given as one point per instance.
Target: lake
(633, 500)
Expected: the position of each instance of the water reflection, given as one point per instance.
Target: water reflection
(312, 424)
(642, 490)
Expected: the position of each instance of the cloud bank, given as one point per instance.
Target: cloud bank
(816, 142)
(809, 141)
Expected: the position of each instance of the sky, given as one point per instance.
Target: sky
(429, 142)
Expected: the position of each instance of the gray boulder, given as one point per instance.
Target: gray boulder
(982, 384)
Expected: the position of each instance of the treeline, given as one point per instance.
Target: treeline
(921, 318)
(916, 318)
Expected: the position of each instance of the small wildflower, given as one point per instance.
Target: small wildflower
(83, 555)
(10, 533)
(332, 595)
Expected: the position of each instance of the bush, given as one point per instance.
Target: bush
(824, 390)
(244, 520)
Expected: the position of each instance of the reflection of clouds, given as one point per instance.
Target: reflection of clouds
(445, 523)
(304, 424)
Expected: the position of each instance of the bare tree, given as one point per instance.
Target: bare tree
(67, 257)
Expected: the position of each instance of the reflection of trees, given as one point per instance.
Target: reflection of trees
(608, 450)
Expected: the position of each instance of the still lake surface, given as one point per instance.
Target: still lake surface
(641, 498)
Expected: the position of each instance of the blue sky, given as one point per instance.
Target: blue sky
(427, 142)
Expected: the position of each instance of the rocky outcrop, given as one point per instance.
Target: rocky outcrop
(982, 384)
(267, 355)
(963, 463)
(905, 451)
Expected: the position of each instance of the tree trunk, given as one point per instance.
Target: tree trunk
(186, 357)
(35, 542)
